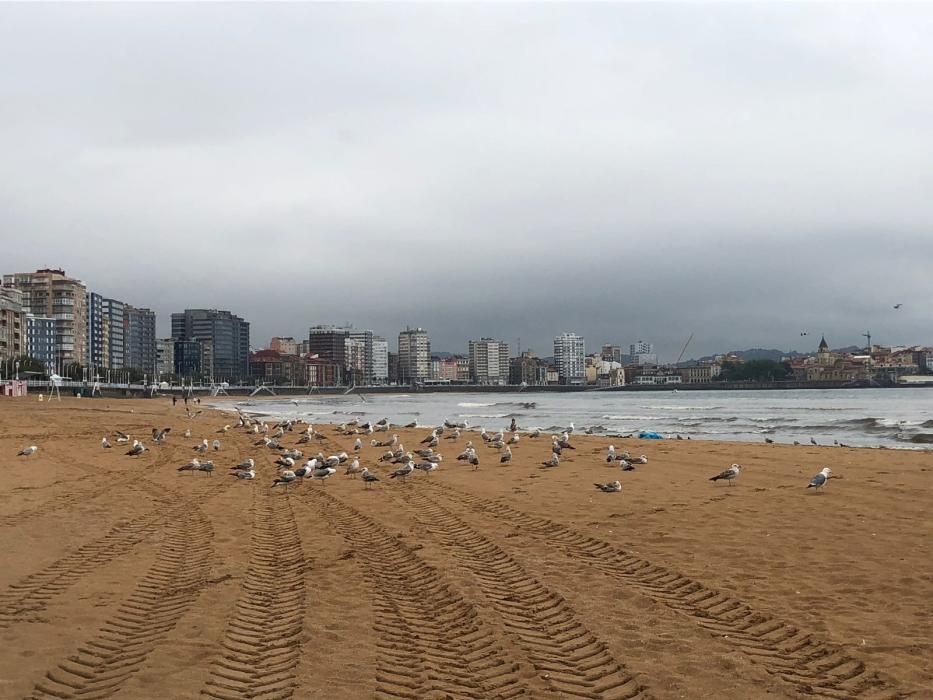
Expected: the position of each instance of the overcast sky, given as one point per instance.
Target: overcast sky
(740, 172)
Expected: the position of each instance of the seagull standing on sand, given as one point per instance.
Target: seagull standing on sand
(216, 445)
(506, 456)
(819, 481)
(554, 461)
(158, 436)
(246, 464)
(358, 445)
(611, 487)
(27, 451)
(368, 477)
(137, 449)
(728, 474)
(611, 454)
(813, 442)
(105, 443)
(245, 474)
(353, 469)
(403, 472)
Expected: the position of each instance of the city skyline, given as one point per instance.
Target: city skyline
(743, 173)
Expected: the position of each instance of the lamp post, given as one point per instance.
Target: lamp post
(16, 366)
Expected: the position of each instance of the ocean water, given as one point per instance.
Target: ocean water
(856, 417)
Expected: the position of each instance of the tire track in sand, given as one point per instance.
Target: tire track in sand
(573, 660)
(813, 666)
(103, 664)
(432, 643)
(262, 645)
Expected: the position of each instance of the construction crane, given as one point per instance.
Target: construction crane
(681, 355)
(868, 336)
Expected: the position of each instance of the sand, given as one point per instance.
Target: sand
(122, 578)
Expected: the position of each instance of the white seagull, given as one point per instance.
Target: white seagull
(27, 451)
(105, 443)
(611, 487)
(245, 474)
(403, 472)
(819, 481)
(368, 477)
(728, 474)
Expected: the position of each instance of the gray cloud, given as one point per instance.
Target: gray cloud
(626, 171)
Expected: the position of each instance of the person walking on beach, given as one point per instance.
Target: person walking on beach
(174, 400)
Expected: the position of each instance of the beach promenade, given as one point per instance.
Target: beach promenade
(123, 577)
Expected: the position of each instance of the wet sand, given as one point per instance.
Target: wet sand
(122, 577)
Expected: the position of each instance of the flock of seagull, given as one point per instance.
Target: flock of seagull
(295, 468)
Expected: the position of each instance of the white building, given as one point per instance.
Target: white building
(414, 355)
(569, 351)
(489, 361)
(380, 360)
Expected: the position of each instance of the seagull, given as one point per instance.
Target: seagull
(455, 435)
(819, 481)
(564, 442)
(813, 442)
(534, 433)
(426, 467)
(769, 441)
(897, 306)
(159, 435)
(611, 454)
(323, 473)
(285, 462)
(626, 465)
(611, 487)
(245, 474)
(224, 429)
(513, 440)
(216, 445)
(430, 438)
(188, 433)
(353, 469)
(122, 436)
(554, 461)
(642, 459)
(358, 445)
(196, 466)
(246, 464)
(105, 443)
(506, 456)
(368, 477)
(201, 447)
(285, 478)
(728, 474)
(137, 449)
(404, 472)
(555, 448)
(26, 451)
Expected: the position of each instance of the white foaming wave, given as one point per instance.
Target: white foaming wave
(685, 408)
(632, 418)
(475, 405)
(483, 415)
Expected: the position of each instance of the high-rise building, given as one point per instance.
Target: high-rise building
(114, 333)
(95, 330)
(642, 353)
(354, 354)
(329, 343)
(489, 361)
(40, 339)
(224, 336)
(414, 356)
(106, 329)
(187, 358)
(13, 330)
(528, 369)
(363, 366)
(165, 357)
(139, 333)
(569, 350)
(53, 294)
(380, 360)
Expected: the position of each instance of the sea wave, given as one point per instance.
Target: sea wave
(467, 404)
(632, 418)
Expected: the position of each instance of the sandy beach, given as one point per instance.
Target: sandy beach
(122, 577)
